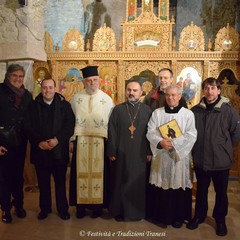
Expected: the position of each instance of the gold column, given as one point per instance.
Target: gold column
(120, 82)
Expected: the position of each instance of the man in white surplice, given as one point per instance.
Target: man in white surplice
(170, 168)
(92, 108)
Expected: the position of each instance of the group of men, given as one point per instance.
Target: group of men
(209, 132)
(120, 159)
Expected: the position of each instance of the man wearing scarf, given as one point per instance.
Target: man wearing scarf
(14, 103)
(170, 168)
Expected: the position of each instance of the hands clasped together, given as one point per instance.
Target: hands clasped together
(48, 144)
(166, 144)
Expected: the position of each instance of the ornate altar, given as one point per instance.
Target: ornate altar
(147, 44)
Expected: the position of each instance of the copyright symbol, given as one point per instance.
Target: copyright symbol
(82, 233)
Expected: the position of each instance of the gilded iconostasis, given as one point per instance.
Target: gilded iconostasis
(147, 42)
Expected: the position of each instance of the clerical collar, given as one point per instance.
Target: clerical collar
(47, 102)
(134, 103)
(172, 109)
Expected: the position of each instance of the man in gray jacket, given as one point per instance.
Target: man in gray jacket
(218, 127)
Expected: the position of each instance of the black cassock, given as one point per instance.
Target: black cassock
(128, 171)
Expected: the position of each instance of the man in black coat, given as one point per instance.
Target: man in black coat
(51, 124)
(15, 100)
(156, 97)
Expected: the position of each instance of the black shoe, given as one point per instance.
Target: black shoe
(64, 216)
(177, 224)
(42, 215)
(80, 214)
(193, 223)
(221, 229)
(119, 218)
(20, 212)
(96, 214)
(6, 217)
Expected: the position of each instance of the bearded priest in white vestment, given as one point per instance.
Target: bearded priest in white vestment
(92, 108)
(170, 169)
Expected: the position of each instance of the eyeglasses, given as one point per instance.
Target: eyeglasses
(171, 95)
(17, 76)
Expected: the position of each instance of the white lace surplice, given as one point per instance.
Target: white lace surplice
(171, 169)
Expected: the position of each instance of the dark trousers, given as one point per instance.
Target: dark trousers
(11, 179)
(44, 173)
(94, 207)
(220, 183)
(170, 205)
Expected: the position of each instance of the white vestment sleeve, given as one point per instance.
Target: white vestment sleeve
(153, 133)
(183, 144)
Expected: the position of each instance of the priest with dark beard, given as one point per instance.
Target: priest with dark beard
(129, 151)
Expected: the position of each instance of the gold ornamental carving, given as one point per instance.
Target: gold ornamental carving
(73, 41)
(146, 18)
(216, 67)
(229, 91)
(191, 39)
(121, 82)
(104, 39)
(153, 38)
(38, 65)
(147, 32)
(133, 68)
(227, 39)
(129, 39)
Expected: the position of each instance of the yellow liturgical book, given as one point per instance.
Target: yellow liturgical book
(170, 129)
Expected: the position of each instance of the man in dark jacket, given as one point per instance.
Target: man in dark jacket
(15, 101)
(51, 126)
(218, 127)
(156, 98)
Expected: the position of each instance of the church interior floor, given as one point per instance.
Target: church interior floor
(53, 227)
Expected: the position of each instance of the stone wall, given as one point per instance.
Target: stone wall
(21, 31)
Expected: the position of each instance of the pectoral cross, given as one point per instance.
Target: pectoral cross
(132, 129)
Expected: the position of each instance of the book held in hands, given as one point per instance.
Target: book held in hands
(170, 130)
